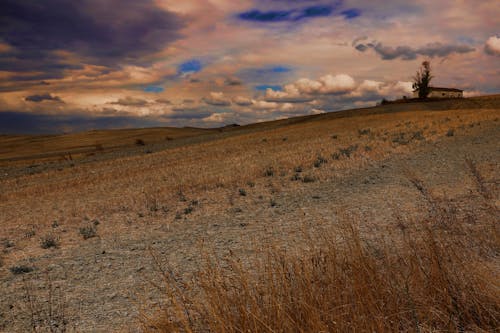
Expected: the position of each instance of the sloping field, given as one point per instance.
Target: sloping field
(84, 242)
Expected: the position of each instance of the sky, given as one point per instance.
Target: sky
(69, 66)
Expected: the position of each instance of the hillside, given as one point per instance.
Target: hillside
(88, 231)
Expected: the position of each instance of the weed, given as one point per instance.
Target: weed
(365, 131)
(88, 231)
(336, 156)
(308, 179)
(400, 138)
(272, 202)
(49, 241)
(242, 192)
(450, 132)
(296, 177)
(334, 136)
(347, 152)
(418, 136)
(298, 169)
(21, 269)
(7, 243)
(320, 160)
(140, 142)
(30, 233)
(269, 172)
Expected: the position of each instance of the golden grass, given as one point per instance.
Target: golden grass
(432, 275)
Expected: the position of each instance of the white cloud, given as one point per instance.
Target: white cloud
(492, 46)
(217, 99)
(242, 101)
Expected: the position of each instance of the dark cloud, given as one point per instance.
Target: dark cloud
(43, 97)
(163, 101)
(36, 123)
(408, 53)
(130, 101)
(187, 114)
(216, 102)
(232, 81)
(108, 32)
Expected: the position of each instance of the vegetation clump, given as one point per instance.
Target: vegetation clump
(88, 231)
(49, 241)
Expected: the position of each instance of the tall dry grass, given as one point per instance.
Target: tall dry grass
(436, 274)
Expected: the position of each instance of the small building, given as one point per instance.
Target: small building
(437, 92)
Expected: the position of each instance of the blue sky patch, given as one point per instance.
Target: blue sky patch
(191, 66)
(271, 16)
(286, 15)
(280, 69)
(154, 89)
(264, 87)
(351, 13)
(315, 11)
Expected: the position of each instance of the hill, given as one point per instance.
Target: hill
(98, 236)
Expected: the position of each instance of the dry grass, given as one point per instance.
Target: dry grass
(433, 275)
(125, 187)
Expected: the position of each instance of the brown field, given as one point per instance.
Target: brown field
(378, 219)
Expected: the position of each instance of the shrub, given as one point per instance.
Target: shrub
(308, 179)
(88, 231)
(140, 142)
(242, 192)
(348, 151)
(21, 269)
(450, 132)
(48, 241)
(365, 131)
(269, 172)
(320, 160)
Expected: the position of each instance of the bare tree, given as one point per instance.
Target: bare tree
(421, 80)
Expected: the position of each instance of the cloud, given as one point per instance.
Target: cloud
(217, 99)
(492, 46)
(43, 97)
(163, 101)
(232, 81)
(130, 101)
(242, 101)
(108, 33)
(36, 123)
(408, 53)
